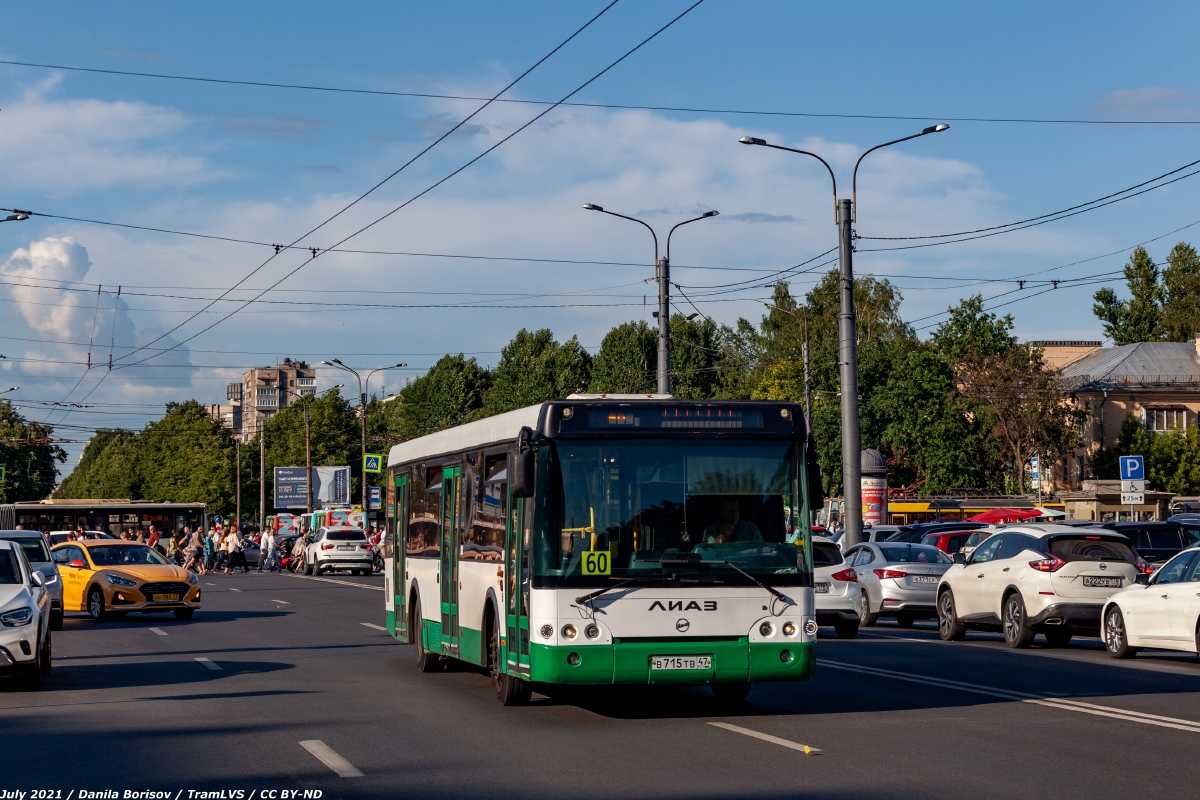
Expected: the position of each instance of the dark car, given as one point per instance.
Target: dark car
(915, 533)
(1156, 542)
(947, 541)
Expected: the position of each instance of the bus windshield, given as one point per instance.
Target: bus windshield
(671, 510)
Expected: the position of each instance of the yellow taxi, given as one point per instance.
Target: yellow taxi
(111, 576)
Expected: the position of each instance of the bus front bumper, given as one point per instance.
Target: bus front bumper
(629, 662)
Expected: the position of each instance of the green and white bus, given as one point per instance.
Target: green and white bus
(608, 540)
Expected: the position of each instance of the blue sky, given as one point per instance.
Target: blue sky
(266, 164)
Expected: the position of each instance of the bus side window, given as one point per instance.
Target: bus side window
(424, 508)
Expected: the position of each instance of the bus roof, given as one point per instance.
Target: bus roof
(500, 428)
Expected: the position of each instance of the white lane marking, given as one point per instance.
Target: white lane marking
(1040, 700)
(159, 631)
(208, 663)
(373, 625)
(342, 583)
(766, 737)
(330, 758)
(233, 589)
(283, 602)
(206, 583)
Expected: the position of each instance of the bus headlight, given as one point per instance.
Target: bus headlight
(569, 631)
(789, 629)
(547, 631)
(766, 629)
(592, 631)
(810, 627)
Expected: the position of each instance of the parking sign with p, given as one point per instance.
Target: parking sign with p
(1133, 468)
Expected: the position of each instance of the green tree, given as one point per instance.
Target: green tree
(1138, 319)
(696, 358)
(29, 456)
(105, 469)
(971, 329)
(535, 368)
(1181, 284)
(450, 394)
(186, 457)
(627, 361)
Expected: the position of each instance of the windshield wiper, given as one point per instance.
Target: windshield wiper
(763, 584)
(587, 598)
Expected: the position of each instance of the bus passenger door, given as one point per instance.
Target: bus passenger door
(516, 589)
(451, 503)
(399, 518)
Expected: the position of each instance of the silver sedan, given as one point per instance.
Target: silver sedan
(898, 579)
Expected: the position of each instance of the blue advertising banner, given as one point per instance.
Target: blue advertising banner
(330, 487)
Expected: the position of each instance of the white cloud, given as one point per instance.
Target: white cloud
(1150, 101)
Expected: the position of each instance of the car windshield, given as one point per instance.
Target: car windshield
(124, 554)
(914, 554)
(826, 554)
(35, 549)
(10, 573)
(650, 509)
(1091, 548)
(346, 536)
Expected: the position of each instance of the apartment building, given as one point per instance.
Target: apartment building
(263, 391)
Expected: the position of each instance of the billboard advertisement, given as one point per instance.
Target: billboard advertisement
(330, 487)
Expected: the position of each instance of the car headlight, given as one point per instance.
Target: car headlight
(117, 580)
(17, 618)
(193, 578)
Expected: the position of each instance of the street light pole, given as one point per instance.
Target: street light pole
(362, 407)
(662, 275)
(844, 216)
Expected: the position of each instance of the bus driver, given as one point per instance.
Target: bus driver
(730, 527)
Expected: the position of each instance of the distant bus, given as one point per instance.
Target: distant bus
(284, 523)
(600, 541)
(110, 516)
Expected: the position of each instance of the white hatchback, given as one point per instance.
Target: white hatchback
(1162, 611)
(1031, 579)
(838, 601)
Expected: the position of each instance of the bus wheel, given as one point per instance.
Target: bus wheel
(731, 692)
(426, 661)
(510, 690)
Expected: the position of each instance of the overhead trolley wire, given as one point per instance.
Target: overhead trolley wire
(579, 104)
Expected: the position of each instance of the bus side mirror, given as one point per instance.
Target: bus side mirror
(521, 466)
(816, 494)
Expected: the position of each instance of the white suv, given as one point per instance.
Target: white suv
(339, 547)
(838, 599)
(1030, 579)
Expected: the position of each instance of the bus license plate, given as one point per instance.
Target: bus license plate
(821, 588)
(1103, 583)
(159, 598)
(680, 662)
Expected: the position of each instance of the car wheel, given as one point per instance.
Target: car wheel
(1058, 638)
(510, 690)
(95, 604)
(184, 613)
(317, 570)
(731, 692)
(56, 621)
(1116, 637)
(949, 627)
(846, 629)
(865, 618)
(1017, 632)
(44, 657)
(905, 620)
(308, 569)
(426, 661)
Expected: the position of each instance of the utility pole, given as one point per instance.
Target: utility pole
(307, 457)
(807, 391)
(848, 366)
(362, 407)
(663, 268)
(238, 481)
(262, 475)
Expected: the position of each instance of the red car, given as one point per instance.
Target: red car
(947, 541)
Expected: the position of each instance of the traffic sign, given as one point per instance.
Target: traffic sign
(1133, 499)
(374, 497)
(1133, 487)
(372, 463)
(2, 474)
(1034, 468)
(1133, 468)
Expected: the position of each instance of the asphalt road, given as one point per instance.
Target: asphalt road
(224, 702)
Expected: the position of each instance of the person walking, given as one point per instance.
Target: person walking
(268, 553)
(233, 545)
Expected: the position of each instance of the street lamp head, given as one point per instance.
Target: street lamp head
(326, 363)
(592, 207)
(400, 366)
(20, 215)
(752, 140)
(941, 126)
(338, 386)
(338, 362)
(707, 214)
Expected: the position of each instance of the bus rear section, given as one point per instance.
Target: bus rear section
(588, 542)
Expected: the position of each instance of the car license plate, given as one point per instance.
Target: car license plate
(925, 578)
(1101, 583)
(822, 588)
(345, 547)
(159, 598)
(680, 662)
